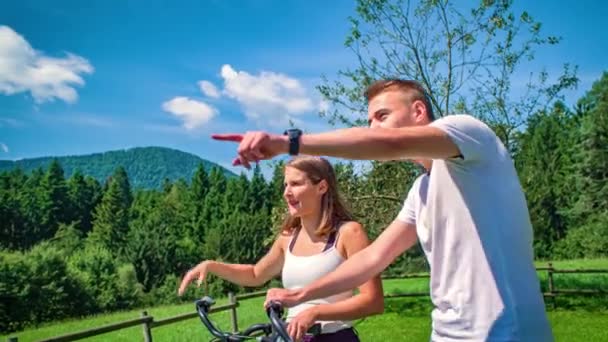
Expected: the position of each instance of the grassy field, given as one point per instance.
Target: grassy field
(574, 319)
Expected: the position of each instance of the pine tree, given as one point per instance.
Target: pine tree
(111, 217)
(83, 194)
(589, 236)
(544, 161)
(259, 191)
(30, 209)
(11, 223)
(120, 176)
(593, 169)
(275, 187)
(237, 197)
(213, 203)
(198, 191)
(53, 200)
(95, 193)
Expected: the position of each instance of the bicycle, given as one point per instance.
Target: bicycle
(275, 331)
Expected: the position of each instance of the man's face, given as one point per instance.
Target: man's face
(391, 109)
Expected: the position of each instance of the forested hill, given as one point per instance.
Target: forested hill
(147, 167)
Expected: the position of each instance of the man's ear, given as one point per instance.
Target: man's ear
(419, 111)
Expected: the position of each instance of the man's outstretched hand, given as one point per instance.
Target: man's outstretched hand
(255, 146)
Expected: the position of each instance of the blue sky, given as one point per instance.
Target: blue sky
(103, 75)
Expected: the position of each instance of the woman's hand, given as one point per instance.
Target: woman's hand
(199, 271)
(300, 324)
(287, 298)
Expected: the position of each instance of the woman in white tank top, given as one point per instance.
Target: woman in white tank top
(318, 234)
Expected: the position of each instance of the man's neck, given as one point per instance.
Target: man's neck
(427, 164)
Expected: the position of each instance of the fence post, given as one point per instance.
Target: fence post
(551, 285)
(147, 329)
(12, 339)
(233, 300)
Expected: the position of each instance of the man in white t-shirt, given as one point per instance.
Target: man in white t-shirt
(468, 212)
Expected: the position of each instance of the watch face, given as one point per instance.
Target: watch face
(293, 132)
(294, 140)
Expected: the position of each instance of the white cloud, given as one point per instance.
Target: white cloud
(193, 113)
(24, 69)
(209, 89)
(4, 147)
(270, 97)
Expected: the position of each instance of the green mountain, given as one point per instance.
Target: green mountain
(147, 167)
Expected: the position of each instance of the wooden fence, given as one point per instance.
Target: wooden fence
(148, 323)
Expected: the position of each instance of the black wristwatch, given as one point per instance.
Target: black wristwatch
(294, 140)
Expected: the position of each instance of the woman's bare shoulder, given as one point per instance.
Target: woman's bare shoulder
(284, 237)
(350, 228)
(352, 238)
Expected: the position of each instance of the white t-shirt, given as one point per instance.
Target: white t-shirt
(473, 223)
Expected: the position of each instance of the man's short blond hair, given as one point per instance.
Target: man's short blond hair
(414, 89)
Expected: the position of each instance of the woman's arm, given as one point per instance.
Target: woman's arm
(244, 275)
(370, 300)
(252, 275)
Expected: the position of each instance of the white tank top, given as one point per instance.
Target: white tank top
(299, 271)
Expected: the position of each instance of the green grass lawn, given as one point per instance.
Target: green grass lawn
(574, 319)
(404, 319)
(576, 263)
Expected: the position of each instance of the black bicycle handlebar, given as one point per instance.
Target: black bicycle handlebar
(276, 329)
(275, 312)
(202, 307)
(263, 327)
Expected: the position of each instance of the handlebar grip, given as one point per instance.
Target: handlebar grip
(208, 300)
(202, 307)
(276, 307)
(315, 329)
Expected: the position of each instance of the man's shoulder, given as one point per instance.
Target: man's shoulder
(420, 179)
(420, 182)
(466, 119)
(470, 133)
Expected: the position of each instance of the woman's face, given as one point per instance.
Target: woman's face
(303, 198)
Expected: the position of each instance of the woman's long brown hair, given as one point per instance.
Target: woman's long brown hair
(333, 210)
